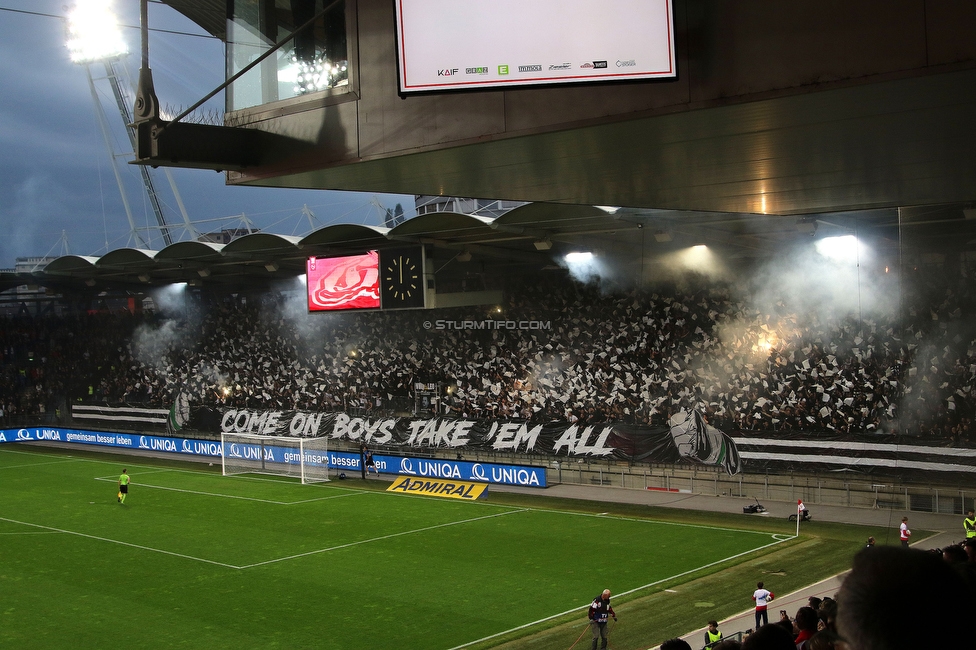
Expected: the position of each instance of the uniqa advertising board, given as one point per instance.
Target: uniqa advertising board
(497, 473)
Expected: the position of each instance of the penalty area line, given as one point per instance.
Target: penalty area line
(623, 593)
(121, 543)
(379, 539)
(226, 496)
(53, 462)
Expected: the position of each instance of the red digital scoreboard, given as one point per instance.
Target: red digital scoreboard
(343, 283)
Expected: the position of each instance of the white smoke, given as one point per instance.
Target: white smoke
(152, 344)
(816, 280)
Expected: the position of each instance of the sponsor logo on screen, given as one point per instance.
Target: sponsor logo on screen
(599, 64)
(629, 63)
(561, 66)
(503, 69)
(448, 72)
(530, 68)
(439, 488)
(587, 65)
(478, 70)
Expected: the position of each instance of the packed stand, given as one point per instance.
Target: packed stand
(591, 356)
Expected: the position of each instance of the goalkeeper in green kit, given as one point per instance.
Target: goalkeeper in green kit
(123, 486)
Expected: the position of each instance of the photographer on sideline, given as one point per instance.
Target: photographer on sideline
(600, 610)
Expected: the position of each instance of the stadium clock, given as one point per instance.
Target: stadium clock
(402, 278)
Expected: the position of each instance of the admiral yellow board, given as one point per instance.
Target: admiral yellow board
(439, 488)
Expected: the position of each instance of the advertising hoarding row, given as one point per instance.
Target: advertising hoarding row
(340, 461)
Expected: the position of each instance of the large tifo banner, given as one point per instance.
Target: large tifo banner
(497, 473)
(688, 436)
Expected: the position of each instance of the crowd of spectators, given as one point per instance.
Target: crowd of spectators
(885, 602)
(566, 351)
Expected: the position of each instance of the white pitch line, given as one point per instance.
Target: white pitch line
(228, 496)
(121, 543)
(33, 532)
(623, 593)
(53, 462)
(26, 453)
(334, 496)
(653, 521)
(379, 539)
(153, 471)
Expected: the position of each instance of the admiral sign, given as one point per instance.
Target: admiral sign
(499, 32)
(439, 488)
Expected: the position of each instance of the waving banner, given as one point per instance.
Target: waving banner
(688, 437)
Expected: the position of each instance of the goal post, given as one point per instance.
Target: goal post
(306, 459)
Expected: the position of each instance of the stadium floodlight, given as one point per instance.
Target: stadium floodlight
(303, 458)
(577, 257)
(94, 33)
(846, 248)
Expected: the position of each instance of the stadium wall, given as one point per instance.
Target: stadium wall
(814, 488)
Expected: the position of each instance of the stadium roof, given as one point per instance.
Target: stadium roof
(528, 239)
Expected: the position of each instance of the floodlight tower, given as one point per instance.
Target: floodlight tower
(94, 38)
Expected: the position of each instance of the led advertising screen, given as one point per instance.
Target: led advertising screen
(451, 45)
(338, 283)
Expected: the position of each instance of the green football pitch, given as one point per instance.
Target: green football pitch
(197, 560)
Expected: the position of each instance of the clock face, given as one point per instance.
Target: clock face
(402, 278)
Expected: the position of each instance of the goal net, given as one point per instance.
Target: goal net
(303, 458)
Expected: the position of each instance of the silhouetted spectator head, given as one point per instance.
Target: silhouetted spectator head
(769, 637)
(823, 640)
(814, 602)
(897, 598)
(955, 553)
(806, 619)
(970, 547)
(786, 624)
(728, 644)
(675, 644)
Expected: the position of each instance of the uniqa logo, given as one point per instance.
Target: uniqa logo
(206, 448)
(478, 472)
(406, 467)
(513, 476)
(143, 442)
(235, 451)
(438, 470)
(161, 444)
(24, 434)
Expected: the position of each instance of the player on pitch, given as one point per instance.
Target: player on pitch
(123, 485)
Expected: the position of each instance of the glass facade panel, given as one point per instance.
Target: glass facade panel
(313, 62)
